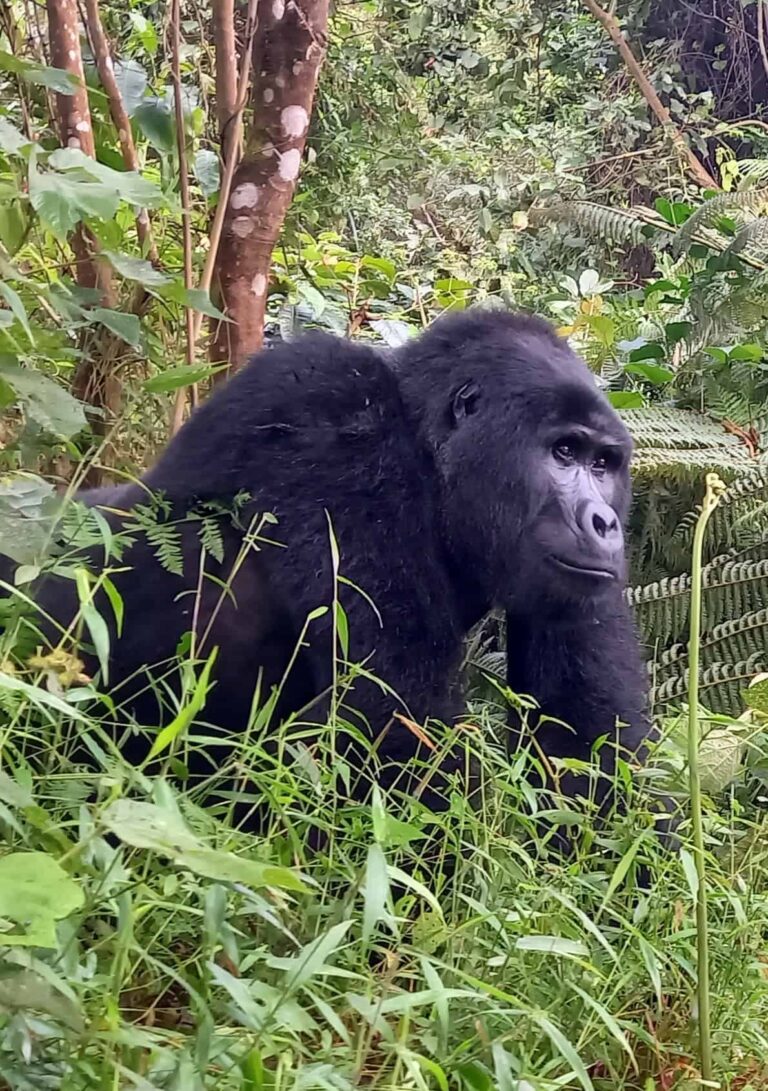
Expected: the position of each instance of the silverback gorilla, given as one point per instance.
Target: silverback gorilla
(478, 466)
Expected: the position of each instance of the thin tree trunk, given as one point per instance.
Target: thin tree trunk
(611, 26)
(226, 70)
(95, 381)
(106, 69)
(288, 50)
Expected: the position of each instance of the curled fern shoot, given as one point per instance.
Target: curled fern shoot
(715, 488)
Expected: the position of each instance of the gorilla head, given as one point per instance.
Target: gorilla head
(534, 462)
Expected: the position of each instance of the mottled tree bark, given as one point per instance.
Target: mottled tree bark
(287, 51)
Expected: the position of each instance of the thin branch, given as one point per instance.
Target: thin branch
(178, 409)
(761, 17)
(231, 156)
(608, 21)
(106, 70)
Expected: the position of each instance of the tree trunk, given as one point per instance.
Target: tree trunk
(95, 381)
(288, 49)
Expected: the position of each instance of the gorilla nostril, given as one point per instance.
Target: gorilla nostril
(602, 526)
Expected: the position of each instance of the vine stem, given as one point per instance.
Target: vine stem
(714, 491)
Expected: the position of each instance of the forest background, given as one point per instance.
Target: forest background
(179, 183)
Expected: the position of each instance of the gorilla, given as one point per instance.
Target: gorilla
(386, 503)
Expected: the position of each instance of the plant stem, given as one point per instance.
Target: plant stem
(714, 491)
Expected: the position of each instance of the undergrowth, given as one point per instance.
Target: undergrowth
(147, 944)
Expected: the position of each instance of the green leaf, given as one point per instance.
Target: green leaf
(27, 510)
(749, 353)
(676, 331)
(44, 401)
(564, 1048)
(310, 294)
(26, 991)
(626, 399)
(173, 378)
(125, 326)
(313, 959)
(132, 268)
(62, 202)
(147, 826)
(35, 892)
(387, 268)
(194, 298)
(41, 699)
(187, 713)
(674, 212)
(123, 185)
(652, 373)
(225, 867)
(56, 79)
(155, 119)
(376, 891)
(756, 696)
(132, 83)
(689, 867)
(389, 830)
(721, 755)
(651, 351)
(206, 168)
(95, 622)
(17, 308)
(14, 224)
(553, 945)
(11, 140)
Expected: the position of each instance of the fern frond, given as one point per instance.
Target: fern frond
(753, 172)
(744, 204)
(751, 239)
(721, 685)
(611, 225)
(679, 443)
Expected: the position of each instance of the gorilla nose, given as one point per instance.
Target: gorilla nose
(601, 526)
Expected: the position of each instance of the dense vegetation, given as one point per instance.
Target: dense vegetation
(459, 151)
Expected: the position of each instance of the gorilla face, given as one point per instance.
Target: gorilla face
(584, 480)
(534, 463)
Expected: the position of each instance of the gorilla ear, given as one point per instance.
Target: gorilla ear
(464, 402)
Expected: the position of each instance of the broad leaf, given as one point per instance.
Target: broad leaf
(206, 168)
(147, 826)
(11, 140)
(132, 268)
(56, 79)
(125, 326)
(155, 119)
(35, 892)
(132, 83)
(125, 185)
(173, 378)
(62, 202)
(45, 402)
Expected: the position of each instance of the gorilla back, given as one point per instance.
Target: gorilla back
(479, 466)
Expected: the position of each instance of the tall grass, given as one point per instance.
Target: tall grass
(145, 943)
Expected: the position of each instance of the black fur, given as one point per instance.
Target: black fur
(436, 470)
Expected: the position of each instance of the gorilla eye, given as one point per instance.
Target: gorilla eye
(606, 460)
(565, 450)
(465, 401)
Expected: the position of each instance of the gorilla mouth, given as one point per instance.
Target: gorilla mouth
(584, 570)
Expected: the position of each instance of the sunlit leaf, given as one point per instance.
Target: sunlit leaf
(35, 892)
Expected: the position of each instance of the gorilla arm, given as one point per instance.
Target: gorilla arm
(587, 672)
